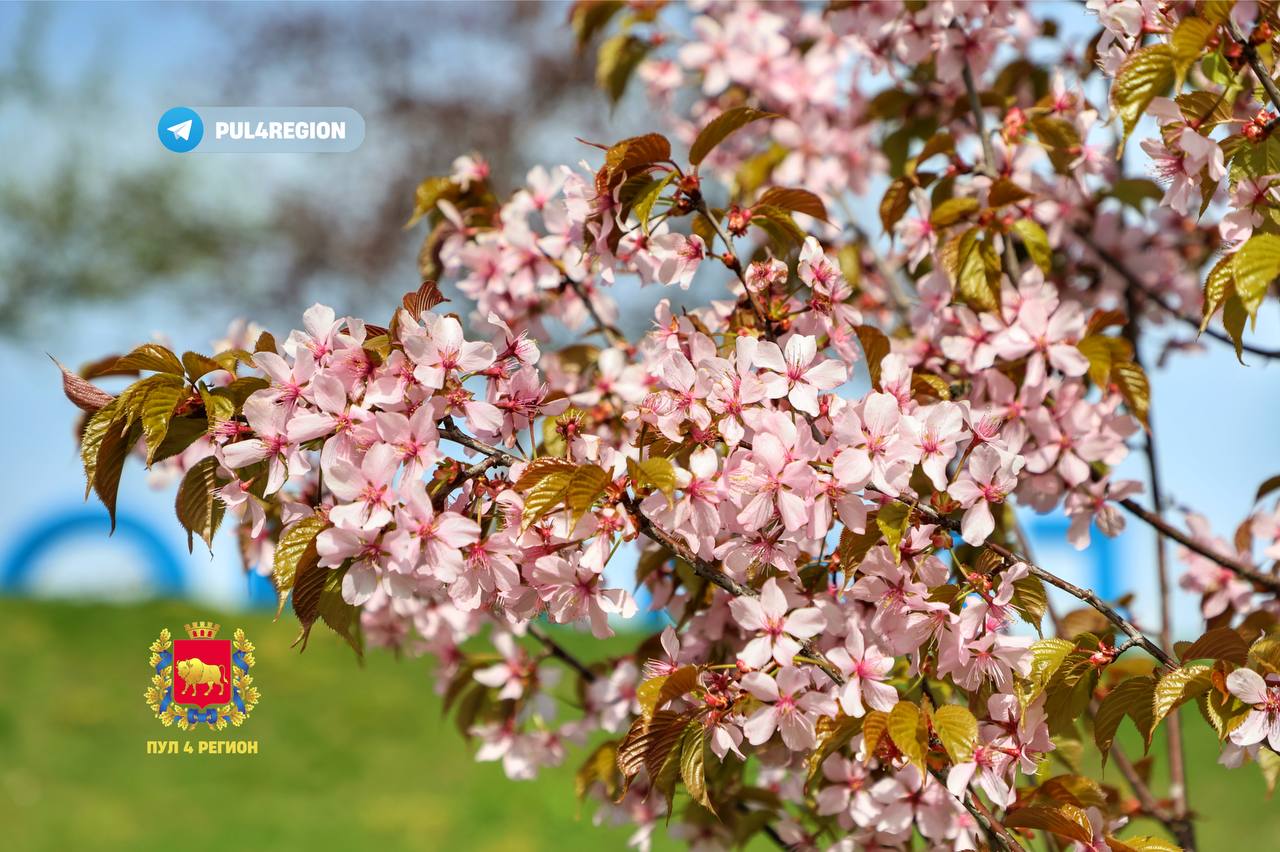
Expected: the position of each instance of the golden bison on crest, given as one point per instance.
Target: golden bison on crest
(194, 672)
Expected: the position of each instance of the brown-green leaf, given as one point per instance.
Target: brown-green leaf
(198, 506)
(722, 127)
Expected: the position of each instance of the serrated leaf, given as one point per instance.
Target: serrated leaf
(1187, 43)
(794, 200)
(832, 734)
(722, 127)
(198, 506)
(155, 412)
(1134, 386)
(892, 520)
(1179, 686)
(153, 357)
(648, 742)
(1133, 698)
(1147, 72)
(1046, 656)
(957, 728)
(693, 758)
(874, 726)
(114, 448)
(1217, 285)
(875, 346)
(545, 496)
(588, 482)
(904, 729)
(1064, 820)
(539, 469)
(975, 270)
(91, 438)
(1145, 843)
(655, 472)
(1030, 600)
(317, 595)
(1234, 316)
(953, 210)
(1036, 242)
(1221, 643)
(295, 552)
(1254, 267)
(197, 366)
(636, 152)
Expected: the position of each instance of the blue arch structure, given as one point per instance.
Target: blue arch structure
(1100, 554)
(161, 563)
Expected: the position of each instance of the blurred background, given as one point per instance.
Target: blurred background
(107, 240)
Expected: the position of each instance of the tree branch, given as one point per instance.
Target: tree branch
(1255, 63)
(1264, 581)
(1086, 595)
(701, 567)
(1132, 280)
(988, 165)
(1179, 824)
(611, 334)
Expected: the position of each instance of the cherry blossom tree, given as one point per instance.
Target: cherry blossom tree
(860, 650)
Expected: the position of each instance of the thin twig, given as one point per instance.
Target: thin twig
(1253, 575)
(612, 334)
(1133, 281)
(560, 653)
(707, 570)
(1251, 56)
(1086, 595)
(988, 165)
(1180, 824)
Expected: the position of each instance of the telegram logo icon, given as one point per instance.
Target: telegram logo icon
(180, 129)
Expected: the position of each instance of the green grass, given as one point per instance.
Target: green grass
(350, 757)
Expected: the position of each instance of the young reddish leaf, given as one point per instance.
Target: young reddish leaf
(794, 200)
(155, 412)
(875, 346)
(896, 202)
(1064, 820)
(721, 127)
(83, 394)
(1221, 643)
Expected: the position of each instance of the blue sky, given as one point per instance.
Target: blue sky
(1217, 420)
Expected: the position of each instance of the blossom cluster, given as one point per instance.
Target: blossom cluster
(816, 467)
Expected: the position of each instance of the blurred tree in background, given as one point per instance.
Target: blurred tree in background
(89, 227)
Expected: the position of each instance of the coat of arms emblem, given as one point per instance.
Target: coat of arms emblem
(202, 679)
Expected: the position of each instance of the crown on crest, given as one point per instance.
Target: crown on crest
(202, 629)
